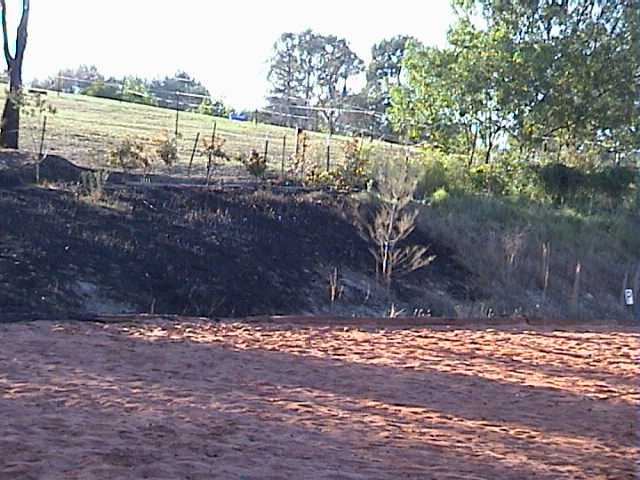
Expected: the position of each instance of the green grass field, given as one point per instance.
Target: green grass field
(85, 129)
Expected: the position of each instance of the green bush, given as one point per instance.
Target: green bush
(433, 177)
(488, 177)
(505, 177)
(562, 182)
(439, 196)
(440, 171)
(255, 164)
(615, 183)
(130, 154)
(101, 90)
(579, 187)
(607, 186)
(167, 150)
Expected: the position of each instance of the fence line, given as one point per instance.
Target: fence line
(168, 93)
(90, 137)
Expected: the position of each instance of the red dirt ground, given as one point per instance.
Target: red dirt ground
(195, 400)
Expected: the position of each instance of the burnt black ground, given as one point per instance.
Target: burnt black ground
(187, 250)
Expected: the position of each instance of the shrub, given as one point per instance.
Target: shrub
(255, 164)
(352, 175)
(215, 148)
(433, 177)
(92, 185)
(614, 182)
(488, 177)
(299, 158)
(167, 150)
(318, 177)
(357, 157)
(610, 184)
(439, 196)
(130, 154)
(102, 90)
(504, 177)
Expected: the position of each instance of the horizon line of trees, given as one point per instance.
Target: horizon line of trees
(161, 92)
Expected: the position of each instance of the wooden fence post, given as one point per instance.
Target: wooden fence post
(193, 154)
(298, 135)
(177, 115)
(213, 146)
(266, 151)
(575, 292)
(328, 157)
(546, 268)
(41, 152)
(304, 153)
(284, 155)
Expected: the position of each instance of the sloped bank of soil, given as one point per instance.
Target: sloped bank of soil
(19, 168)
(184, 250)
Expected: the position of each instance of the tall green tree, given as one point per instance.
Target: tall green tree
(577, 64)
(457, 98)
(529, 72)
(309, 73)
(284, 74)
(386, 67)
(164, 90)
(384, 73)
(337, 63)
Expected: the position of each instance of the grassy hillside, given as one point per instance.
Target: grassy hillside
(530, 258)
(85, 129)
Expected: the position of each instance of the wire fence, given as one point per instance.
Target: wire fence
(87, 131)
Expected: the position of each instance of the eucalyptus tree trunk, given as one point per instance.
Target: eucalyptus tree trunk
(10, 129)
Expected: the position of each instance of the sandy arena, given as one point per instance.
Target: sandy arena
(194, 400)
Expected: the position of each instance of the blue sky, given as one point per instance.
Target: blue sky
(226, 45)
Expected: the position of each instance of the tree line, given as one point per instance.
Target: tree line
(88, 80)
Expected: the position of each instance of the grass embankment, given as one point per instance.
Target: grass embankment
(507, 245)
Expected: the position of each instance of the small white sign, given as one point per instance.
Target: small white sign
(628, 298)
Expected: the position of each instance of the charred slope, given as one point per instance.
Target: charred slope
(186, 251)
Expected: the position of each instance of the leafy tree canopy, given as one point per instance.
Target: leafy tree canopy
(528, 71)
